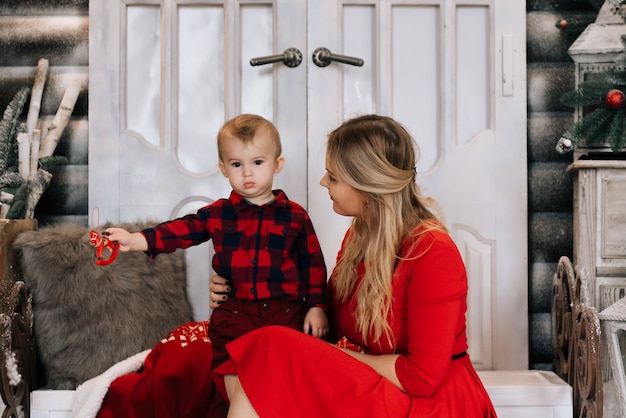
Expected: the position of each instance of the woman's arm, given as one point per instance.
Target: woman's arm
(436, 290)
(435, 286)
(384, 364)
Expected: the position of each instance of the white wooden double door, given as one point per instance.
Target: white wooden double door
(165, 74)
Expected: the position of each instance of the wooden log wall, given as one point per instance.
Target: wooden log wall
(57, 30)
(550, 73)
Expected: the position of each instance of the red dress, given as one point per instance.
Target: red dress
(288, 374)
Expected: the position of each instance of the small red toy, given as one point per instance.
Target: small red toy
(102, 242)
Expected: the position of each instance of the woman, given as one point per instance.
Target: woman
(398, 290)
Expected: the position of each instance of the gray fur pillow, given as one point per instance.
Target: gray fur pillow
(89, 317)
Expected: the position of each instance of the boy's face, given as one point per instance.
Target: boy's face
(250, 167)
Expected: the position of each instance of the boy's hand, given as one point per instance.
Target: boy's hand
(128, 241)
(316, 322)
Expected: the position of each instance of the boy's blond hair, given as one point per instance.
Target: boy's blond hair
(244, 127)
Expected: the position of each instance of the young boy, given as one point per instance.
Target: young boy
(265, 244)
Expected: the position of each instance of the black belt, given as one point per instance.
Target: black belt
(460, 355)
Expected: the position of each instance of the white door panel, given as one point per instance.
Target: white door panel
(165, 74)
(434, 66)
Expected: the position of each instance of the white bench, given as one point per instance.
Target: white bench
(528, 393)
(51, 403)
(515, 394)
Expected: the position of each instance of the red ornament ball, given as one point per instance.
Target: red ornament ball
(615, 99)
(563, 24)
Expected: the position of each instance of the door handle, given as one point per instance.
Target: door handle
(322, 57)
(291, 57)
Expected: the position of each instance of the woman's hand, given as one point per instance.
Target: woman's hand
(219, 288)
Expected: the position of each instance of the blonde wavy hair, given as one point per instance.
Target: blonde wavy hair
(376, 156)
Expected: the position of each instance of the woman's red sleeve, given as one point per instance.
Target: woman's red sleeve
(436, 286)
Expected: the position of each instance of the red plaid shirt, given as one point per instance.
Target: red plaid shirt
(267, 252)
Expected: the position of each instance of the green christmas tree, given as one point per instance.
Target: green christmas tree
(605, 120)
(603, 102)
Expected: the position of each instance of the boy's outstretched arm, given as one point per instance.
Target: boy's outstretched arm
(128, 241)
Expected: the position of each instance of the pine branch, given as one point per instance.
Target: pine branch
(588, 93)
(13, 157)
(18, 208)
(616, 77)
(8, 128)
(619, 143)
(616, 132)
(593, 127)
(11, 180)
(577, 98)
(47, 163)
(605, 120)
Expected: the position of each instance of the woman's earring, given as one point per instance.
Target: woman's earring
(366, 205)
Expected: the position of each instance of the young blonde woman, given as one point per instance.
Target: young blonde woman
(398, 290)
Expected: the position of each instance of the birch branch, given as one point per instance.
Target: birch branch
(35, 142)
(6, 200)
(23, 154)
(62, 117)
(37, 185)
(36, 95)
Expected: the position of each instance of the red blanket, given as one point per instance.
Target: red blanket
(174, 382)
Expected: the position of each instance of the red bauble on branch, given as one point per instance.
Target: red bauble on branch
(615, 99)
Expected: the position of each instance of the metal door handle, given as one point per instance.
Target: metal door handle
(322, 57)
(292, 57)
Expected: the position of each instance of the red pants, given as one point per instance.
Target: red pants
(236, 317)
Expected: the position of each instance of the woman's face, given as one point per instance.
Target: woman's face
(347, 200)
